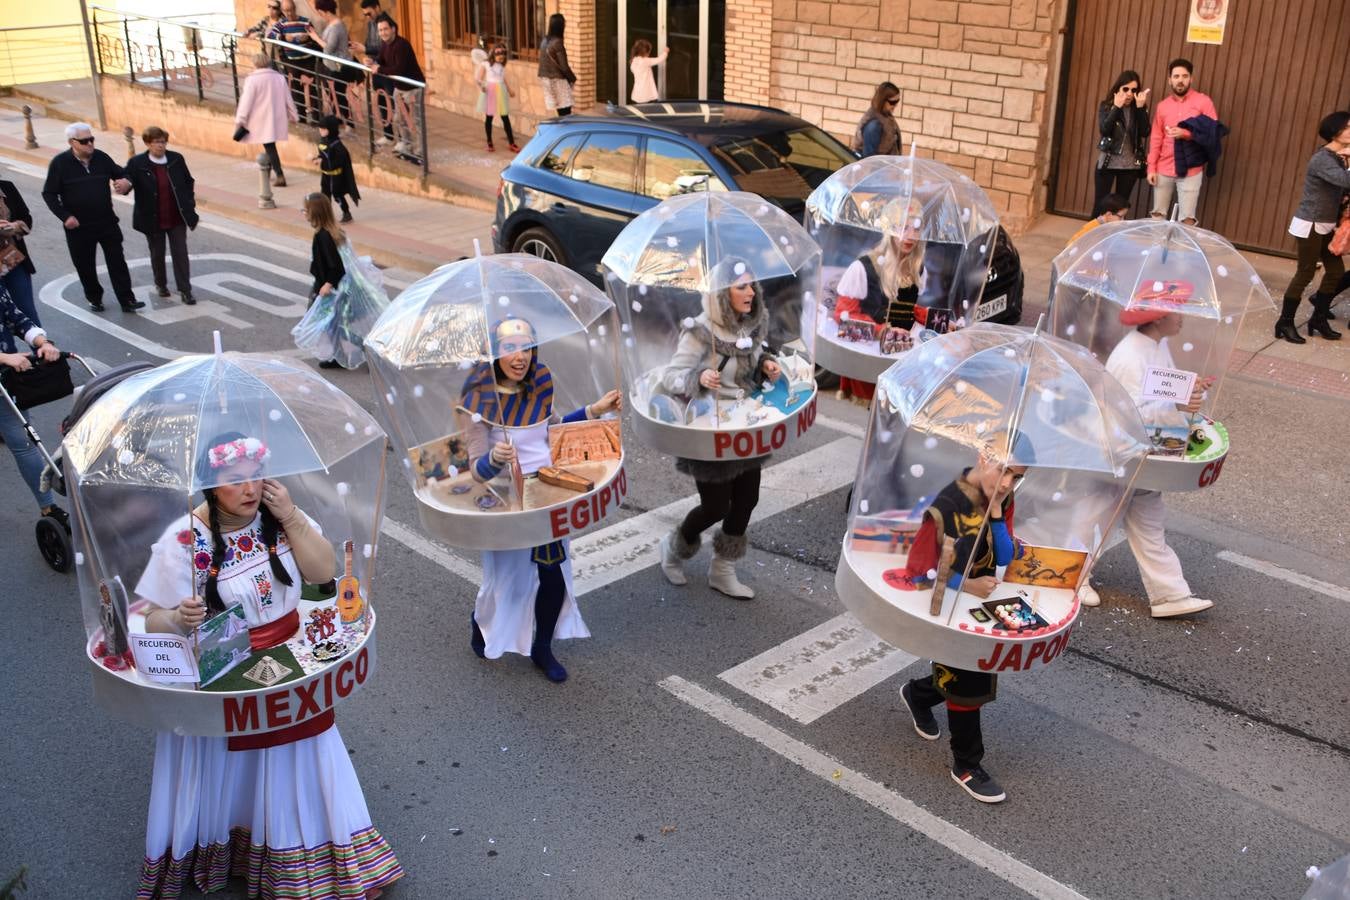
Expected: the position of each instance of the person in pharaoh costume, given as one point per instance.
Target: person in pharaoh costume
(284, 807)
(526, 600)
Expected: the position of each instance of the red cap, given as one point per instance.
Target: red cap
(1158, 298)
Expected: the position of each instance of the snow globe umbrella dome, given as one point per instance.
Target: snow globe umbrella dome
(140, 462)
(916, 223)
(999, 397)
(1161, 303)
(720, 283)
(513, 348)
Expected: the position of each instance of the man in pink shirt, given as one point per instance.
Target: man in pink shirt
(1182, 104)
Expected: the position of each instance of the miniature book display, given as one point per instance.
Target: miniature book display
(221, 643)
(583, 455)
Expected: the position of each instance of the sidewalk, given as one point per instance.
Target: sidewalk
(419, 234)
(395, 229)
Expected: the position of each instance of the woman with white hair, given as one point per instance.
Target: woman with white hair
(265, 112)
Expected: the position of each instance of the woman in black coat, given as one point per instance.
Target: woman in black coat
(1123, 123)
(17, 279)
(165, 207)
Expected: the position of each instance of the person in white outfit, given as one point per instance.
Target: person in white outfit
(642, 64)
(1145, 514)
(283, 808)
(526, 599)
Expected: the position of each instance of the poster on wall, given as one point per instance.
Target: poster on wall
(1208, 18)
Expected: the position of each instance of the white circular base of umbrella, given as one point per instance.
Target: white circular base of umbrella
(777, 431)
(1197, 470)
(851, 359)
(216, 712)
(465, 513)
(902, 618)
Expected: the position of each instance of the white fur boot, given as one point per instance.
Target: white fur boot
(722, 571)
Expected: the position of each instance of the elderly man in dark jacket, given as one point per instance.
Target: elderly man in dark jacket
(165, 208)
(76, 191)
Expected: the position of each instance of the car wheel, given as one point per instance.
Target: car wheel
(539, 242)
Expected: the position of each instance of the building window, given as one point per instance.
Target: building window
(519, 24)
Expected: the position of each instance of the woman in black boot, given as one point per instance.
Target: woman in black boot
(526, 597)
(1324, 184)
(722, 350)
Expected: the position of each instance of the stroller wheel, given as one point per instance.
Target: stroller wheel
(54, 544)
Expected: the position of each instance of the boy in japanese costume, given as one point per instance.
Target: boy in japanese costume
(958, 512)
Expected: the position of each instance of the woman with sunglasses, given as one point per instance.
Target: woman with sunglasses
(878, 132)
(493, 96)
(1123, 122)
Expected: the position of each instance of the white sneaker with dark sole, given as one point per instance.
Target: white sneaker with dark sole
(1088, 596)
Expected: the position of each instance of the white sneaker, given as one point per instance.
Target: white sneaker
(722, 577)
(383, 141)
(402, 147)
(1088, 596)
(1183, 607)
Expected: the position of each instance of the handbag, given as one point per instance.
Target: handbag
(240, 133)
(1340, 238)
(44, 383)
(11, 257)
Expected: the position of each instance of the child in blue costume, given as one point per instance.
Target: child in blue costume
(511, 401)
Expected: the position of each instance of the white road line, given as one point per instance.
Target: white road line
(433, 551)
(820, 670)
(905, 811)
(1334, 591)
(857, 431)
(626, 547)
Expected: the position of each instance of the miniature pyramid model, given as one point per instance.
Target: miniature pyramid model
(267, 672)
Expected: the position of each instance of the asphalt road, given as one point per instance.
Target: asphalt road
(1191, 759)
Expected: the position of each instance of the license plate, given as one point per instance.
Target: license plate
(991, 308)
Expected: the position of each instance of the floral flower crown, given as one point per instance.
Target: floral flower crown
(231, 452)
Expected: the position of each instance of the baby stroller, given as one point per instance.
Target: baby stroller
(47, 383)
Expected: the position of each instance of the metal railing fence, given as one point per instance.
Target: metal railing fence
(181, 53)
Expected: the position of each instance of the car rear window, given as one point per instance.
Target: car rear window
(782, 166)
(671, 169)
(607, 160)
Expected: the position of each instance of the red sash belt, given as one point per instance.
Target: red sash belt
(273, 633)
(306, 729)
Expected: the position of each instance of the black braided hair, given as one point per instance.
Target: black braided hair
(213, 602)
(270, 530)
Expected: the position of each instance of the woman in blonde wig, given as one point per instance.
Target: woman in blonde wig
(881, 287)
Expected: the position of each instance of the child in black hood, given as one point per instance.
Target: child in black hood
(338, 181)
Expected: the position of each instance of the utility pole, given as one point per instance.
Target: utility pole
(94, 75)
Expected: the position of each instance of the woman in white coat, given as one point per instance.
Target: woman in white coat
(526, 599)
(265, 112)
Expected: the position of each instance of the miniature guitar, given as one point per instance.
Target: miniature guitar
(350, 602)
(565, 479)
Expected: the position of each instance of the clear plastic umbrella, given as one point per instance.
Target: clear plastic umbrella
(1021, 398)
(137, 462)
(436, 357)
(671, 272)
(682, 242)
(436, 335)
(151, 429)
(1120, 274)
(935, 218)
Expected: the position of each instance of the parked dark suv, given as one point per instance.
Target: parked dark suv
(581, 179)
